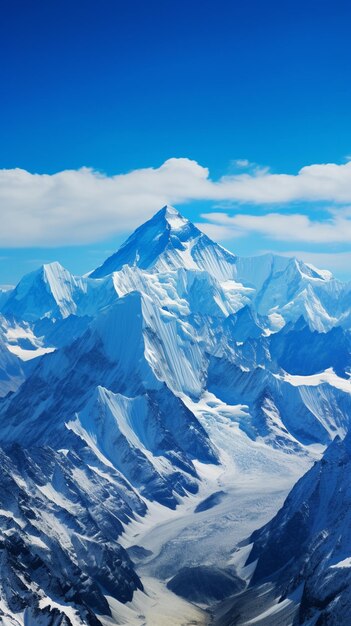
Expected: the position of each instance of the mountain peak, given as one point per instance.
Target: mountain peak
(174, 219)
(167, 242)
(168, 211)
(169, 219)
(48, 291)
(53, 267)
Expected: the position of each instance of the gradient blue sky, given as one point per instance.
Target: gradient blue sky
(121, 86)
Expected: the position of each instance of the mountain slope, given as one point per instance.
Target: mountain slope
(309, 541)
(11, 371)
(60, 523)
(114, 354)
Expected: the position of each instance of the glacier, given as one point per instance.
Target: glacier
(154, 413)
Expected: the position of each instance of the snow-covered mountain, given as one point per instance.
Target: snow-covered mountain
(173, 372)
(167, 242)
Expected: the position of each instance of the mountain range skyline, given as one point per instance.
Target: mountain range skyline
(11, 274)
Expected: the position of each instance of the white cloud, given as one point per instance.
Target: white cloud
(81, 206)
(219, 232)
(241, 163)
(326, 182)
(283, 227)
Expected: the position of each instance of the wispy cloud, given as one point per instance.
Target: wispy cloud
(82, 206)
(219, 232)
(242, 163)
(282, 227)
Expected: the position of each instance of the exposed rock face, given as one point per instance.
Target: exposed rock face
(205, 584)
(305, 550)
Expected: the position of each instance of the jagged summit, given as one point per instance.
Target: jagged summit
(172, 220)
(175, 219)
(166, 242)
(48, 291)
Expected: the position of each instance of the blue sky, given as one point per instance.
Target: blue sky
(227, 94)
